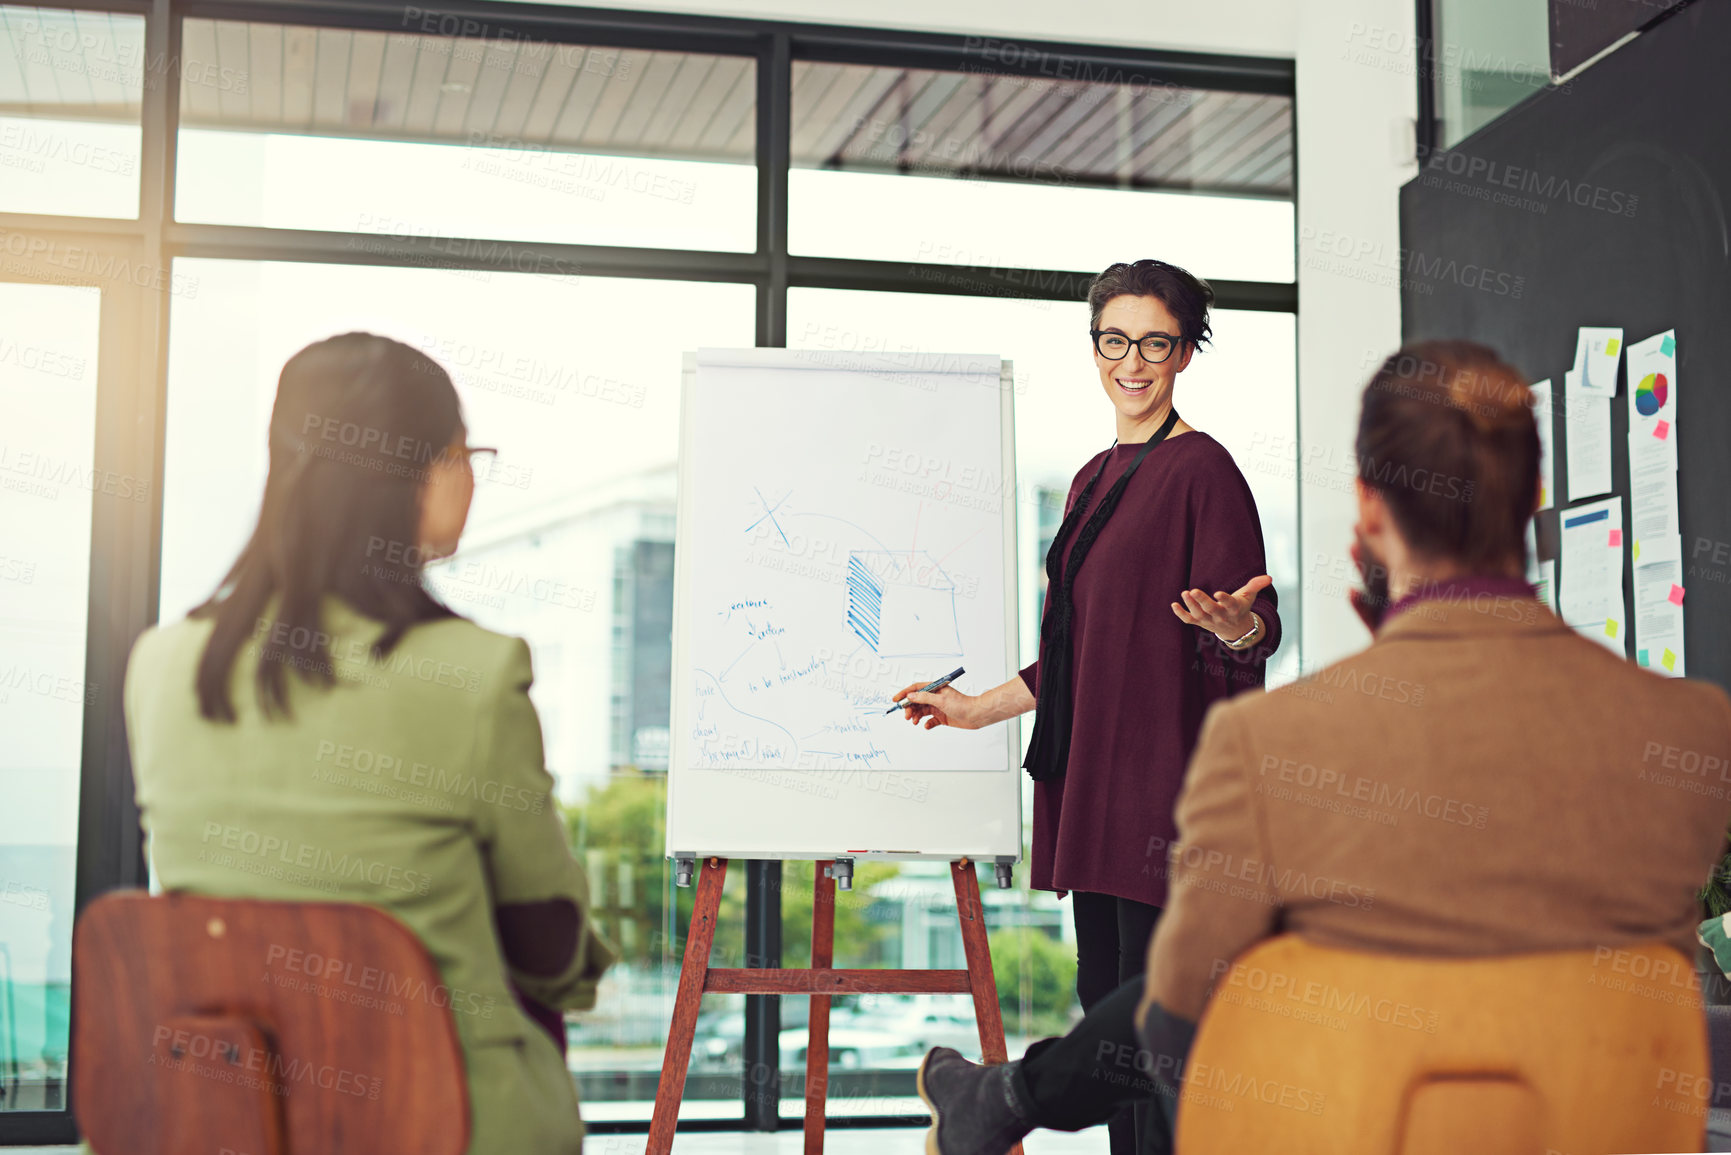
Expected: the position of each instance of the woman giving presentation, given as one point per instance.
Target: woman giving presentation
(1157, 606)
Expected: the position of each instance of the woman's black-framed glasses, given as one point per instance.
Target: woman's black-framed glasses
(1115, 346)
(479, 458)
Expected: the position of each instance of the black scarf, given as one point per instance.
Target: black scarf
(1055, 705)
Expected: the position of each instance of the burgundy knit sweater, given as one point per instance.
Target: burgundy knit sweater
(1143, 679)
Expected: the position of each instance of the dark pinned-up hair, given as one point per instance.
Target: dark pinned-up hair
(1186, 296)
(357, 421)
(1447, 438)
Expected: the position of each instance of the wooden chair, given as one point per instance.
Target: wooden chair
(205, 1025)
(1311, 1051)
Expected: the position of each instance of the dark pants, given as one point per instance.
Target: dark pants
(1112, 936)
(1097, 1073)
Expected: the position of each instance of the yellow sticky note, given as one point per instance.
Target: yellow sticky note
(1611, 347)
(1637, 549)
(1611, 627)
(1669, 659)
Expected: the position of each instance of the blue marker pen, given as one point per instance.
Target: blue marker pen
(933, 688)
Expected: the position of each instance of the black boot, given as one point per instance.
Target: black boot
(976, 1110)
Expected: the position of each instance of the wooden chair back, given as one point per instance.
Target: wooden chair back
(205, 1026)
(1312, 1051)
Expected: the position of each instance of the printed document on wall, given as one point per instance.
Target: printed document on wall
(1654, 526)
(1542, 574)
(1659, 616)
(1592, 571)
(1542, 406)
(1546, 585)
(1596, 356)
(1587, 419)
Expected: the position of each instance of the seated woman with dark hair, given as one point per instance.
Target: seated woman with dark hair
(1536, 828)
(324, 729)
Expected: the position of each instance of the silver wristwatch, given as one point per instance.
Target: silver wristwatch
(1255, 624)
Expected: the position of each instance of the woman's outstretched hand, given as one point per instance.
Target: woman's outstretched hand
(945, 707)
(1226, 616)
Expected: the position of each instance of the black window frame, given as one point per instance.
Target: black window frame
(126, 556)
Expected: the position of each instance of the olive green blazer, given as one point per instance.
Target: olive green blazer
(416, 785)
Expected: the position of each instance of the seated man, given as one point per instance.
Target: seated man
(1479, 781)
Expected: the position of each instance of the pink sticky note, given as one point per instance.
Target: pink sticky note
(1676, 595)
(1616, 537)
(1662, 429)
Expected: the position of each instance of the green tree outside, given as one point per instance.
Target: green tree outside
(1025, 954)
(619, 833)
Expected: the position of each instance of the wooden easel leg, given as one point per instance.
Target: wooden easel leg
(979, 955)
(686, 1003)
(817, 1035)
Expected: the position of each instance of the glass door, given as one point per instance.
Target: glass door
(73, 503)
(49, 337)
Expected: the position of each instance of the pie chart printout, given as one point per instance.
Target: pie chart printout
(1650, 394)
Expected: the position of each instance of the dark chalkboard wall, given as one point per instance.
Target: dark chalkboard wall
(1580, 31)
(1603, 202)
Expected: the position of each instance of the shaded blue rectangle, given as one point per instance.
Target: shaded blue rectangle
(1586, 519)
(865, 598)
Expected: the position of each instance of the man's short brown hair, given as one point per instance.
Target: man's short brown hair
(1447, 438)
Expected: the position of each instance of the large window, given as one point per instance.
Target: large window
(567, 545)
(1485, 57)
(556, 205)
(959, 168)
(47, 487)
(71, 87)
(403, 132)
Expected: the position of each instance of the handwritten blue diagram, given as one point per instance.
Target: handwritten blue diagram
(902, 604)
(804, 644)
(769, 514)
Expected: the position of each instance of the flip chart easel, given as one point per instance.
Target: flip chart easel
(821, 982)
(774, 751)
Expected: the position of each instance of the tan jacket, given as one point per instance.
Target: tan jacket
(1479, 781)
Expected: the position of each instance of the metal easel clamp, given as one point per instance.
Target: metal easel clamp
(842, 871)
